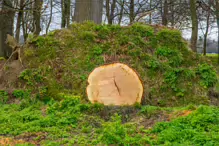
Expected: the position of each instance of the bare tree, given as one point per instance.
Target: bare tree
(110, 11)
(194, 25)
(50, 16)
(66, 10)
(37, 16)
(165, 13)
(216, 6)
(19, 19)
(132, 11)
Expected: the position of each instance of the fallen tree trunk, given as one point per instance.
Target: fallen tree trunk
(114, 84)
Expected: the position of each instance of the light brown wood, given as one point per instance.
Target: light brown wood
(114, 84)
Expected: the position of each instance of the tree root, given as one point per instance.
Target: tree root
(18, 51)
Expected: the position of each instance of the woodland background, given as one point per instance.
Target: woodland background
(197, 19)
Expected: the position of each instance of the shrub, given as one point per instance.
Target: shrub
(3, 96)
(173, 56)
(143, 30)
(116, 133)
(31, 76)
(21, 94)
(207, 74)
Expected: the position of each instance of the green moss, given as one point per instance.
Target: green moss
(2, 58)
(3, 96)
(87, 36)
(31, 76)
(21, 94)
(64, 60)
(174, 56)
(208, 75)
(171, 39)
(142, 30)
(102, 31)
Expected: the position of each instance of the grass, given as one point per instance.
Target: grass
(71, 121)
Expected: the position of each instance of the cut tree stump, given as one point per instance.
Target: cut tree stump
(114, 84)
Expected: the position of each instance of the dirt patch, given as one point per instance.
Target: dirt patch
(149, 121)
(183, 113)
(7, 141)
(126, 112)
(9, 74)
(34, 138)
(27, 138)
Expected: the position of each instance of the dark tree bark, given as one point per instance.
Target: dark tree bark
(194, 25)
(6, 27)
(165, 13)
(66, 10)
(217, 17)
(19, 18)
(37, 16)
(150, 15)
(108, 10)
(132, 11)
(206, 34)
(111, 16)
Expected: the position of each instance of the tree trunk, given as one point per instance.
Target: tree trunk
(24, 28)
(217, 18)
(194, 25)
(2, 54)
(206, 35)
(218, 38)
(19, 18)
(165, 13)
(97, 11)
(150, 15)
(66, 10)
(82, 10)
(111, 17)
(50, 17)
(172, 13)
(88, 10)
(132, 11)
(63, 23)
(121, 11)
(108, 10)
(6, 27)
(37, 17)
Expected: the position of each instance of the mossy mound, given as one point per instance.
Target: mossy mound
(172, 75)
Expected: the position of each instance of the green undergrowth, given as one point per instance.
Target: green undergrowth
(172, 75)
(73, 122)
